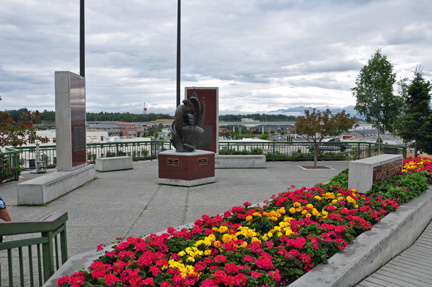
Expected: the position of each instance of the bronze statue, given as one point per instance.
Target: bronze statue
(187, 128)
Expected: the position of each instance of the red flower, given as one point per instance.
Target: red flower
(275, 274)
(231, 268)
(299, 242)
(63, 280)
(111, 279)
(264, 262)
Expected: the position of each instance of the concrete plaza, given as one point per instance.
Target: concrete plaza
(132, 203)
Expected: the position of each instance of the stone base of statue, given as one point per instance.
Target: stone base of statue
(186, 168)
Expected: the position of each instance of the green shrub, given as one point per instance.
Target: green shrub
(8, 173)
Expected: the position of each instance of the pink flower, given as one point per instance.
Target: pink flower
(111, 279)
(62, 280)
(264, 262)
(231, 268)
(275, 274)
(149, 281)
(100, 247)
(299, 242)
(248, 258)
(255, 274)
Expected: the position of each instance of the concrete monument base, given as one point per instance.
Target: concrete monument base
(113, 163)
(186, 168)
(240, 161)
(52, 185)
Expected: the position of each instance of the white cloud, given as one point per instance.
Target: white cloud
(263, 55)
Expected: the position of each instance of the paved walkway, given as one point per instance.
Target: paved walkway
(132, 203)
(413, 267)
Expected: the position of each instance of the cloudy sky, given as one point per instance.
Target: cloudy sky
(264, 55)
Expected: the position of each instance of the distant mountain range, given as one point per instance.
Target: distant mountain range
(298, 111)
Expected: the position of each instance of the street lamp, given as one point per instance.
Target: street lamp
(82, 53)
(178, 50)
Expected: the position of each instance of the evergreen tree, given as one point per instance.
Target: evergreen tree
(374, 93)
(416, 120)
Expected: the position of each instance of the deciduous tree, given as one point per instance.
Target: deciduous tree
(374, 92)
(316, 125)
(17, 133)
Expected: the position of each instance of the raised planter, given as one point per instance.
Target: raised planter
(389, 237)
(240, 161)
(393, 234)
(113, 163)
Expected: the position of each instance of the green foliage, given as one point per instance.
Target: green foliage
(263, 137)
(300, 156)
(416, 120)
(255, 151)
(8, 173)
(340, 180)
(374, 93)
(402, 188)
(18, 131)
(316, 125)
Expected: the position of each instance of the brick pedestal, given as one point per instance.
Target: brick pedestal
(186, 168)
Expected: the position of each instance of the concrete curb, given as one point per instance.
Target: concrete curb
(392, 235)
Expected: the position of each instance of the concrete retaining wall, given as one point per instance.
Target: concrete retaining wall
(240, 161)
(113, 163)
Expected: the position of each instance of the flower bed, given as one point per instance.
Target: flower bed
(269, 245)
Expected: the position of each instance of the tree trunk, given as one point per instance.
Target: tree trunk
(415, 151)
(315, 155)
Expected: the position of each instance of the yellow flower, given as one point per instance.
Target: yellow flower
(199, 242)
(226, 238)
(207, 252)
(292, 210)
(340, 198)
(317, 197)
(212, 237)
(315, 212)
(254, 239)
(309, 206)
(304, 212)
(182, 253)
(334, 201)
(223, 229)
(248, 218)
(308, 215)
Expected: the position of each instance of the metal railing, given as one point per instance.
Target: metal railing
(273, 150)
(304, 150)
(46, 246)
(140, 150)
